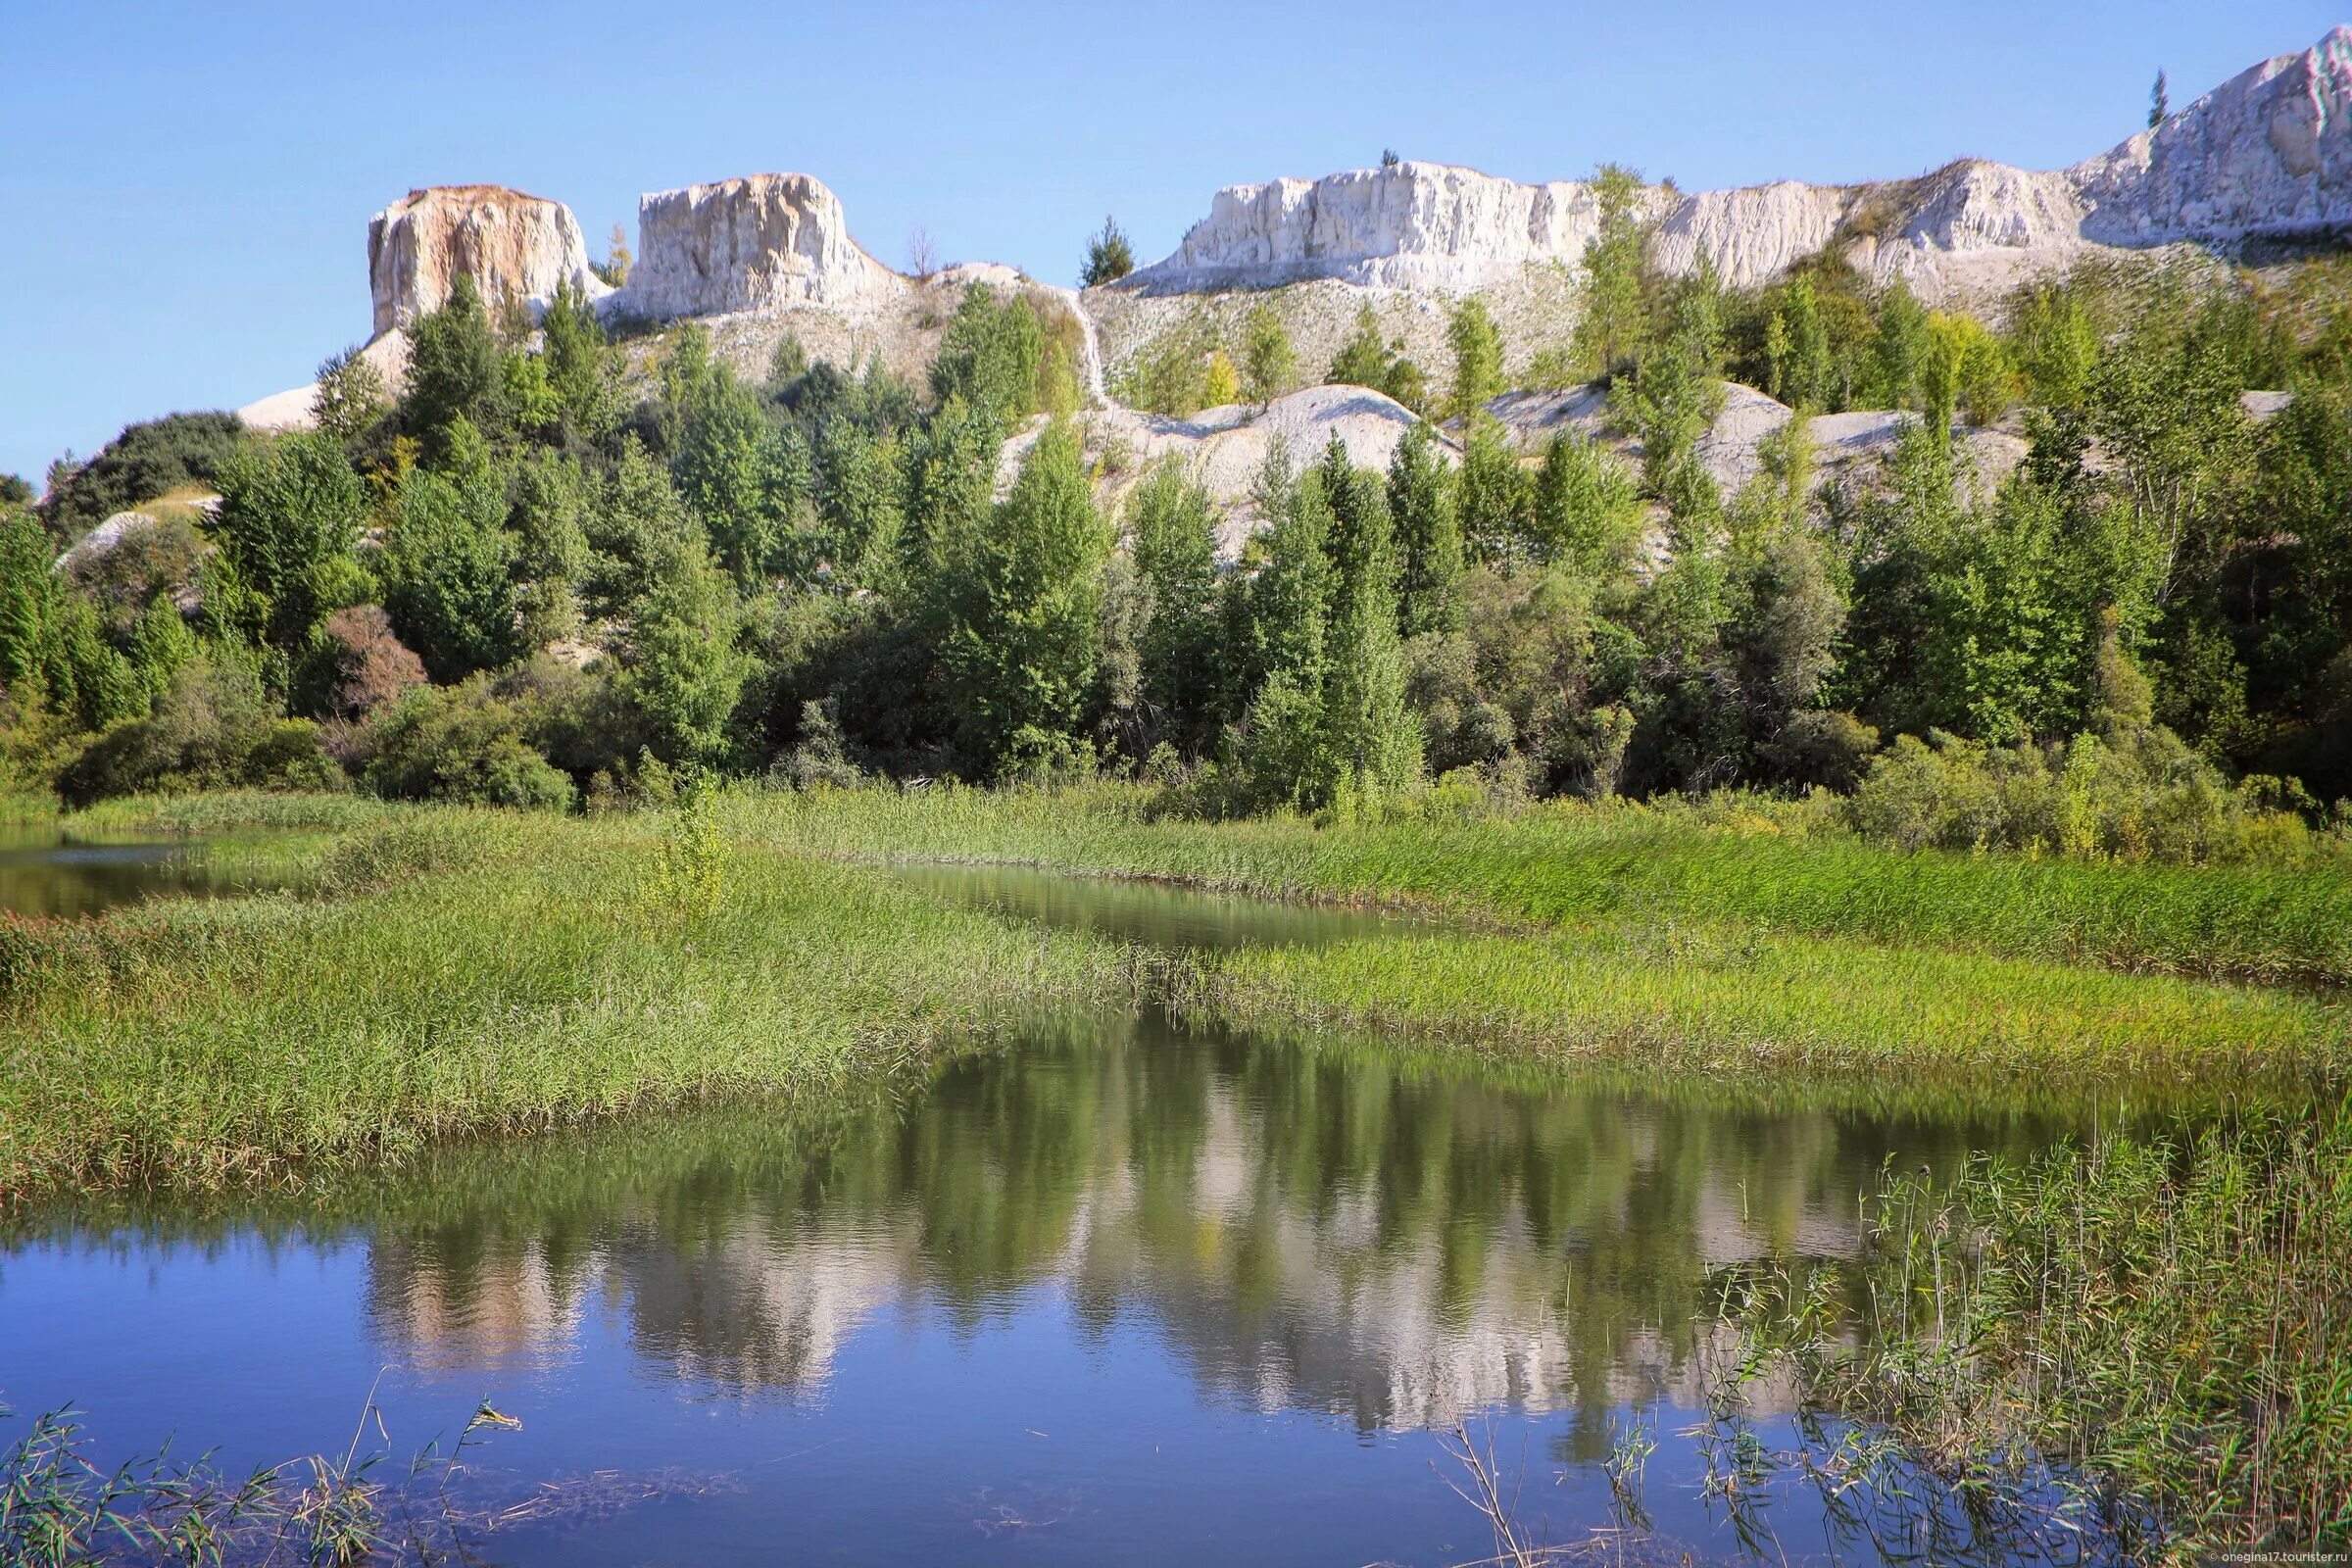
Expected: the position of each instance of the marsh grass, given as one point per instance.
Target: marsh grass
(471, 971)
(2163, 1320)
(1728, 865)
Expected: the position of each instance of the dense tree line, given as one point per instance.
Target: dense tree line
(821, 572)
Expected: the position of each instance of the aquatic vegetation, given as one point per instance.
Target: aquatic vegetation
(2163, 1318)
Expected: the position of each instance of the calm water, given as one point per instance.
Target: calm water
(46, 871)
(1122, 1293)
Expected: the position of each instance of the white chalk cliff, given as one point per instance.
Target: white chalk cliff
(2267, 153)
(515, 247)
(755, 243)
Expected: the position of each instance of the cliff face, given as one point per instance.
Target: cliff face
(755, 243)
(515, 247)
(2270, 151)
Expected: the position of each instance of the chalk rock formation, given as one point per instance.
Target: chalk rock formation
(514, 246)
(762, 242)
(2268, 150)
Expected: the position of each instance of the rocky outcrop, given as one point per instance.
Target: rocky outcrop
(515, 247)
(762, 242)
(2269, 152)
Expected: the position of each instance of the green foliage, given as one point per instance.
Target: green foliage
(1612, 281)
(748, 484)
(1584, 509)
(1269, 363)
(1172, 525)
(445, 570)
(2139, 795)
(1108, 256)
(213, 728)
(289, 517)
(1021, 596)
(989, 355)
(1365, 359)
(146, 461)
(351, 395)
(454, 369)
(461, 744)
(1476, 356)
(582, 370)
(1493, 495)
(685, 672)
(1421, 500)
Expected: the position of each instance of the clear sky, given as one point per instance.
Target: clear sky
(184, 188)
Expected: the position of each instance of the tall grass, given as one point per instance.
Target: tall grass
(2172, 1321)
(1573, 864)
(479, 972)
(1712, 1003)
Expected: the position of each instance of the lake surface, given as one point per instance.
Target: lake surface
(46, 871)
(1122, 1293)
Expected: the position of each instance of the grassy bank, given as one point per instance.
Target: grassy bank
(1626, 865)
(474, 971)
(444, 971)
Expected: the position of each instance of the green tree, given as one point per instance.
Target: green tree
(1108, 256)
(990, 355)
(454, 369)
(584, 369)
(289, 517)
(1805, 372)
(683, 666)
(1268, 362)
(552, 500)
(161, 647)
(1477, 356)
(445, 570)
(1492, 495)
(749, 485)
(1173, 521)
(1020, 642)
(1584, 510)
(1611, 302)
(1363, 357)
(1901, 353)
(351, 395)
(29, 604)
(1429, 536)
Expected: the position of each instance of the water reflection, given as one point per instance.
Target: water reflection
(47, 871)
(1330, 1231)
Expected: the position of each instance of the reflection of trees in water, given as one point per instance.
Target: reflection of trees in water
(1316, 1229)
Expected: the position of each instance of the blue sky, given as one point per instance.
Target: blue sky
(185, 189)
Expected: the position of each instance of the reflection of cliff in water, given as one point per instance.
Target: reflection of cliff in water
(1328, 1231)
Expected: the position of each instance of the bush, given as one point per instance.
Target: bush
(2139, 796)
(213, 728)
(141, 463)
(464, 743)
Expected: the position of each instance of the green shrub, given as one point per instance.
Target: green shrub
(214, 728)
(2139, 796)
(466, 744)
